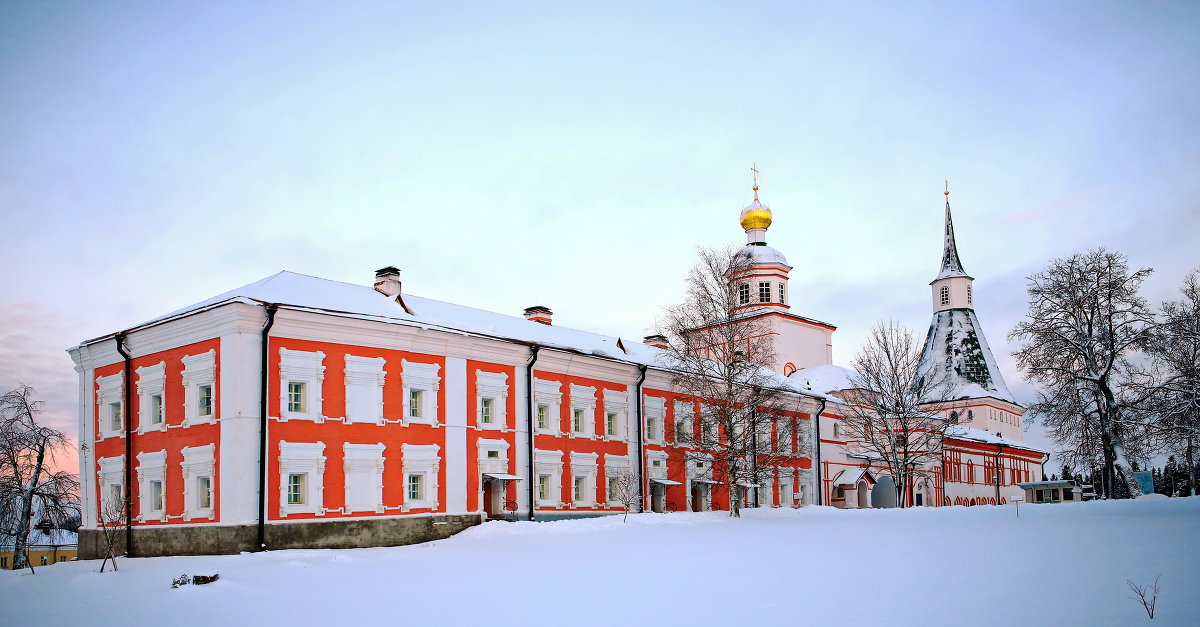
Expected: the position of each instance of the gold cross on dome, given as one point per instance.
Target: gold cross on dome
(754, 173)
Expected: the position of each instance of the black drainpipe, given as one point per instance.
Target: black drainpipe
(637, 408)
(996, 470)
(817, 449)
(126, 415)
(262, 429)
(533, 355)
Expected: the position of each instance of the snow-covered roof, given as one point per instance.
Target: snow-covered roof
(308, 292)
(824, 379)
(764, 254)
(1061, 483)
(957, 353)
(851, 476)
(56, 537)
(304, 292)
(960, 432)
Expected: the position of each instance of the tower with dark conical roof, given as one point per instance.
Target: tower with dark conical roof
(956, 352)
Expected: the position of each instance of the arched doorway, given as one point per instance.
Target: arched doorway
(883, 495)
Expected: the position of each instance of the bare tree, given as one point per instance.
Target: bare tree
(1173, 406)
(1084, 322)
(891, 419)
(112, 528)
(720, 356)
(1146, 595)
(29, 485)
(623, 488)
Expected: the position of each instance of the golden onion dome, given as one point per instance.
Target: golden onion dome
(755, 216)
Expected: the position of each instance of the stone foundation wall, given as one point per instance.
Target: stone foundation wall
(332, 534)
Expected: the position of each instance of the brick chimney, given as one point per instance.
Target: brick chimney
(387, 281)
(657, 341)
(538, 313)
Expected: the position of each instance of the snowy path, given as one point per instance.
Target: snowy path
(1057, 565)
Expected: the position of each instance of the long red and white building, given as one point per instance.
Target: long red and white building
(301, 412)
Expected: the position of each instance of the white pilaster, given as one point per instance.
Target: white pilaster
(456, 434)
(239, 383)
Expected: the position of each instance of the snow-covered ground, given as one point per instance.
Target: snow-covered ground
(1056, 565)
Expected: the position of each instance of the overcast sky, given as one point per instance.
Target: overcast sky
(507, 155)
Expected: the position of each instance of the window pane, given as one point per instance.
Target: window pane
(764, 292)
(414, 403)
(156, 409)
(296, 489)
(114, 416)
(486, 411)
(416, 491)
(205, 400)
(203, 493)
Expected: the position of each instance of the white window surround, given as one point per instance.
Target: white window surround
(549, 393)
(583, 397)
(111, 473)
(198, 370)
(614, 467)
(550, 463)
(498, 465)
(363, 464)
(421, 459)
(685, 416)
(656, 408)
(305, 367)
(364, 389)
(302, 458)
(656, 472)
(583, 465)
(493, 385)
(616, 403)
(109, 390)
(151, 383)
(152, 466)
(198, 461)
(423, 377)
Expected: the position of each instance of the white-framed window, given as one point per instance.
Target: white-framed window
(708, 426)
(656, 462)
(764, 291)
(743, 293)
(363, 464)
(548, 466)
(111, 477)
(656, 412)
(297, 394)
(493, 455)
(616, 412)
(421, 385)
(685, 417)
(150, 389)
(302, 478)
(301, 374)
(614, 467)
(151, 472)
(364, 389)
(199, 381)
(109, 392)
(583, 479)
(944, 295)
(782, 294)
(583, 411)
(491, 392)
(548, 397)
(421, 463)
(199, 466)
